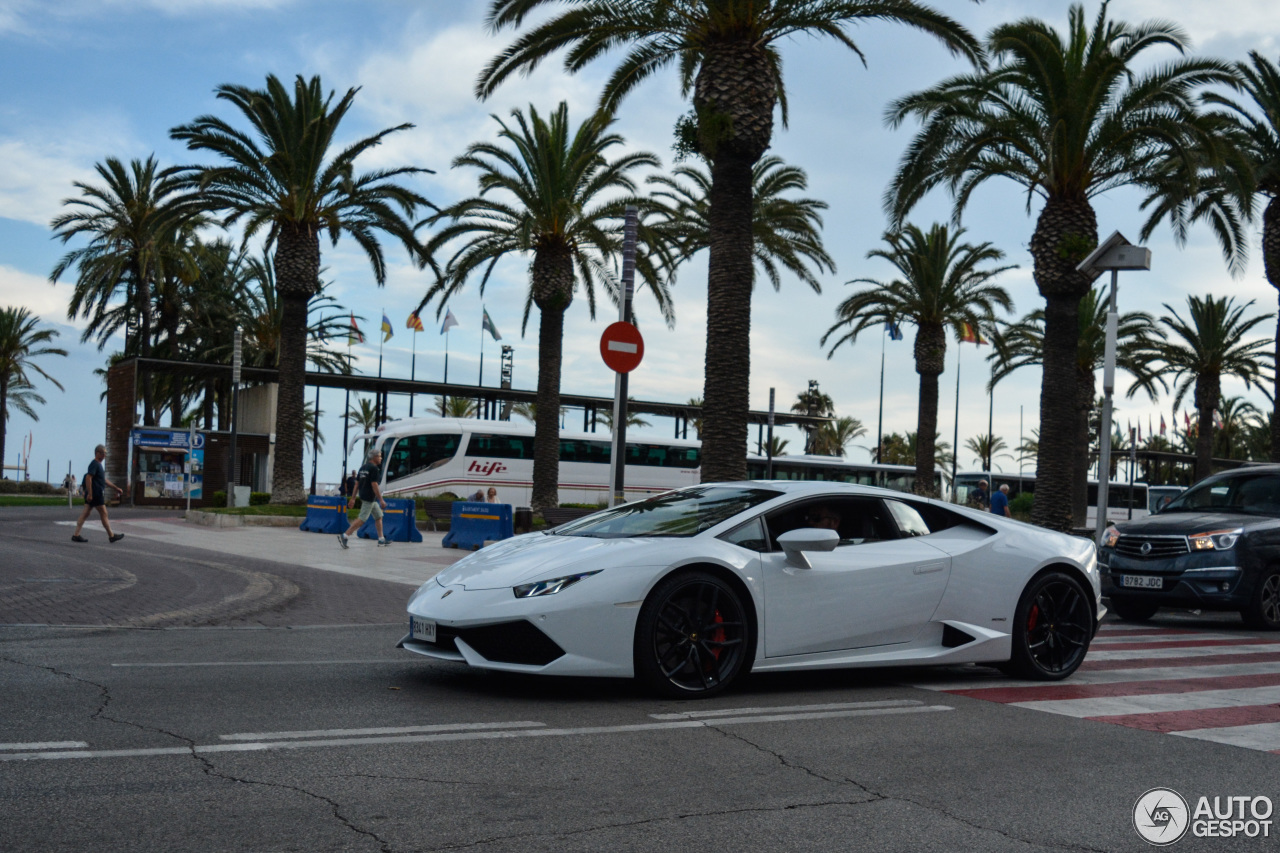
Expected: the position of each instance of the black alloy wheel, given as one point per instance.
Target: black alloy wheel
(1133, 611)
(1263, 612)
(1053, 626)
(692, 637)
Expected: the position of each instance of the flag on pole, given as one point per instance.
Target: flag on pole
(1186, 418)
(895, 331)
(486, 325)
(1162, 424)
(1151, 431)
(414, 322)
(970, 335)
(449, 322)
(1139, 430)
(386, 328)
(354, 337)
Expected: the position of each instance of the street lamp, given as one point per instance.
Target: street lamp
(1114, 253)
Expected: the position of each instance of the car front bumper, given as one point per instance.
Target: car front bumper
(1205, 587)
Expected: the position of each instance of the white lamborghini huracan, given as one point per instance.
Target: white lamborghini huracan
(690, 589)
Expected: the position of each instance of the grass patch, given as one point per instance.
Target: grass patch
(33, 500)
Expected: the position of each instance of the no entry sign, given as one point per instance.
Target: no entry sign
(621, 347)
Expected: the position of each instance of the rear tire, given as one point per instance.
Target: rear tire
(1053, 626)
(693, 638)
(1263, 612)
(1133, 611)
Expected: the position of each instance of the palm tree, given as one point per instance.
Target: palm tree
(942, 457)
(605, 417)
(1260, 142)
(285, 177)
(778, 446)
(786, 232)
(1022, 344)
(21, 343)
(987, 449)
(465, 407)
(1236, 416)
(363, 416)
(131, 221)
(696, 423)
(548, 192)
(833, 438)
(1068, 117)
(730, 66)
(813, 403)
(1199, 352)
(943, 284)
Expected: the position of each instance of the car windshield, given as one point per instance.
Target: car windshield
(1257, 494)
(683, 513)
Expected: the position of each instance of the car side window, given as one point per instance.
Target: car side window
(750, 536)
(909, 520)
(858, 520)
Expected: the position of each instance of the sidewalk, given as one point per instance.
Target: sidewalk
(409, 563)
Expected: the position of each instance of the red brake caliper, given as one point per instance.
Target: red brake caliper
(1033, 617)
(717, 636)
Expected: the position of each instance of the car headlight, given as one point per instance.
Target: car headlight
(1215, 540)
(550, 587)
(1109, 537)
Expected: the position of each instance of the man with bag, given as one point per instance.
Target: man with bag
(95, 496)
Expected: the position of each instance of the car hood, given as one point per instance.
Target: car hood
(1184, 523)
(538, 556)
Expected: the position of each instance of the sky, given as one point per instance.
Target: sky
(91, 79)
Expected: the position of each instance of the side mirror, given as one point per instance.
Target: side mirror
(795, 542)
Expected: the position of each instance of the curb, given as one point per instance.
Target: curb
(217, 519)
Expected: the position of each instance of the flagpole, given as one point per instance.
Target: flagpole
(480, 379)
(346, 415)
(413, 364)
(991, 413)
(955, 447)
(880, 420)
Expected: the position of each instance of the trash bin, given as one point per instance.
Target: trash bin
(523, 519)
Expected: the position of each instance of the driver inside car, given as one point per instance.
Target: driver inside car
(822, 517)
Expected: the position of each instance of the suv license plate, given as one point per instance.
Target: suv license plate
(422, 629)
(1142, 581)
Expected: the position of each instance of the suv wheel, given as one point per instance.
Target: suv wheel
(1263, 612)
(1133, 611)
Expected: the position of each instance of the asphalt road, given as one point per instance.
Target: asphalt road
(226, 703)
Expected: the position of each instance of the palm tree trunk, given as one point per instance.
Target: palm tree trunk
(297, 265)
(1208, 392)
(727, 376)
(1271, 262)
(1080, 470)
(930, 353)
(4, 417)
(1066, 231)
(552, 293)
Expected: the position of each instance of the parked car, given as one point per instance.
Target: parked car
(691, 589)
(1215, 546)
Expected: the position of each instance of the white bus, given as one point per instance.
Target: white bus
(431, 456)
(1124, 500)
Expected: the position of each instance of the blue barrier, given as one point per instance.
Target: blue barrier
(399, 522)
(473, 523)
(325, 514)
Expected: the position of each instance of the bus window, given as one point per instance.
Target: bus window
(501, 446)
(416, 453)
(581, 450)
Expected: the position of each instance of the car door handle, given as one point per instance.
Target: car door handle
(926, 568)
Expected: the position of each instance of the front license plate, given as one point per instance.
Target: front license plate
(1142, 581)
(422, 629)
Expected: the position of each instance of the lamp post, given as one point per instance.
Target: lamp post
(1113, 254)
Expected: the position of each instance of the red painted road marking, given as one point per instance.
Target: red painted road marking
(1184, 721)
(1186, 644)
(1120, 688)
(1149, 663)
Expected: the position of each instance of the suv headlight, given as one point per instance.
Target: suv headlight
(550, 587)
(1215, 540)
(1109, 537)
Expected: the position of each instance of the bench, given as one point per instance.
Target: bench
(437, 511)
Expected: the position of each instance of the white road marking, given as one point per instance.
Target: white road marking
(838, 706)
(444, 737)
(1264, 736)
(1112, 676)
(1154, 703)
(55, 744)
(1163, 638)
(260, 663)
(329, 733)
(1181, 652)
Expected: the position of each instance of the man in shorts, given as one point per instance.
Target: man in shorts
(371, 501)
(96, 496)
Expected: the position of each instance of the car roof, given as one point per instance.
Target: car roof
(816, 487)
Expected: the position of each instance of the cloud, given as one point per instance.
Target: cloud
(37, 295)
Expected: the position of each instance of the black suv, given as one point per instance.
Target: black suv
(1216, 546)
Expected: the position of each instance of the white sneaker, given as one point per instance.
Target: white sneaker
(342, 540)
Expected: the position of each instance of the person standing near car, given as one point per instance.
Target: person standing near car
(371, 500)
(1000, 502)
(979, 496)
(95, 496)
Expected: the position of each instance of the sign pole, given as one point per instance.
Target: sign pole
(618, 459)
(232, 479)
(191, 444)
(768, 465)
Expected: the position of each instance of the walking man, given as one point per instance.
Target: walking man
(96, 496)
(371, 501)
(1000, 501)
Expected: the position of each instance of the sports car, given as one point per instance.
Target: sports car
(689, 590)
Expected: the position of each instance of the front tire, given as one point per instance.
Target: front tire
(1053, 625)
(1263, 612)
(693, 638)
(1133, 611)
